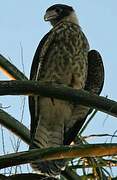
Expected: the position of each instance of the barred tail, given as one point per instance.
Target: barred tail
(50, 168)
(44, 138)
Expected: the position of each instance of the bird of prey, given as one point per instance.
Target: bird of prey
(62, 57)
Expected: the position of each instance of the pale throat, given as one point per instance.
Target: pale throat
(72, 18)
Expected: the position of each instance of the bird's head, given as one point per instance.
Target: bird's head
(59, 12)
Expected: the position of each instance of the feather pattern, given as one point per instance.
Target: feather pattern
(63, 60)
(62, 57)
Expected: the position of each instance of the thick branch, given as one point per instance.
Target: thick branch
(10, 70)
(66, 152)
(29, 176)
(70, 174)
(60, 92)
(15, 126)
(5, 119)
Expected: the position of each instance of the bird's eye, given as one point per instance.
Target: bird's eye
(58, 10)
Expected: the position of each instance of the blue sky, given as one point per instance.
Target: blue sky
(21, 23)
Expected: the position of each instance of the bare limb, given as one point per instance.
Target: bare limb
(15, 126)
(70, 174)
(65, 152)
(29, 176)
(10, 70)
(60, 92)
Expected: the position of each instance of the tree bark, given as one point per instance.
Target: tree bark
(59, 92)
(65, 152)
(15, 126)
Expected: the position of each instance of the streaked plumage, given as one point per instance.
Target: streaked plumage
(62, 58)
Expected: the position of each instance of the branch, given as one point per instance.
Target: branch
(15, 126)
(65, 152)
(59, 92)
(70, 174)
(103, 163)
(10, 70)
(29, 176)
(5, 119)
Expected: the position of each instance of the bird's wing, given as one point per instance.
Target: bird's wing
(94, 84)
(36, 59)
(95, 79)
(33, 72)
(43, 52)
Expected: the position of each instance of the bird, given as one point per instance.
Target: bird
(62, 57)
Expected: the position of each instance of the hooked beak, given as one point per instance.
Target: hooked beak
(50, 15)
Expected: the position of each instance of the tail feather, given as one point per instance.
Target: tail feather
(44, 138)
(51, 168)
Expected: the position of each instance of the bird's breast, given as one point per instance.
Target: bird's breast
(54, 111)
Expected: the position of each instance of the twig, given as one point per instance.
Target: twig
(22, 58)
(3, 141)
(87, 122)
(97, 135)
(103, 163)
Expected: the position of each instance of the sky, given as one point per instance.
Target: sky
(22, 27)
